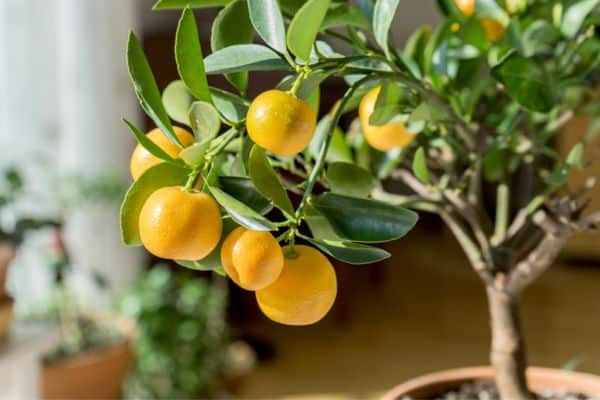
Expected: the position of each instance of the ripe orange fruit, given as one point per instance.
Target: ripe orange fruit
(494, 30)
(180, 225)
(304, 292)
(251, 259)
(467, 7)
(141, 159)
(280, 122)
(382, 137)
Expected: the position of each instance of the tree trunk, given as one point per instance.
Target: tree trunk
(508, 350)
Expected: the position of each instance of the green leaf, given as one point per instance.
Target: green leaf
(491, 9)
(348, 252)
(363, 220)
(156, 177)
(149, 144)
(235, 14)
(267, 182)
(180, 4)
(244, 57)
(419, 166)
(204, 120)
(383, 16)
(526, 82)
(318, 224)
(243, 189)
(575, 16)
(146, 89)
(232, 107)
(177, 100)
(304, 27)
(575, 156)
(338, 148)
(194, 155)
(241, 213)
(344, 15)
(188, 55)
(388, 104)
(350, 180)
(266, 18)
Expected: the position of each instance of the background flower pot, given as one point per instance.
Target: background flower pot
(96, 374)
(7, 253)
(539, 379)
(6, 307)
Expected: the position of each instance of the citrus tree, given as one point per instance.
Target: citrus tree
(464, 115)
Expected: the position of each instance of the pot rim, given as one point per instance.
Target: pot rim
(539, 378)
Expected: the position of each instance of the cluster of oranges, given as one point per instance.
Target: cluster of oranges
(294, 285)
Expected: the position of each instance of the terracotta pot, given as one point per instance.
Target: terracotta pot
(6, 308)
(7, 253)
(93, 375)
(431, 385)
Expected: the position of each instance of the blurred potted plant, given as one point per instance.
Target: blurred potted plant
(464, 117)
(182, 347)
(12, 234)
(93, 354)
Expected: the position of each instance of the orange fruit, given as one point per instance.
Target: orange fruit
(141, 159)
(280, 122)
(180, 225)
(251, 259)
(304, 292)
(381, 137)
(494, 30)
(467, 7)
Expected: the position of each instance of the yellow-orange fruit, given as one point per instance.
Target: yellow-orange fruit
(141, 159)
(304, 292)
(467, 7)
(180, 225)
(382, 137)
(494, 30)
(280, 122)
(253, 260)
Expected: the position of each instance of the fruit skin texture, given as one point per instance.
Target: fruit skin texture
(382, 137)
(141, 159)
(253, 260)
(304, 292)
(467, 7)
(180, 225)
(280, 122)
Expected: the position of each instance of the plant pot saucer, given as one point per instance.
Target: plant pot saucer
(539, 379)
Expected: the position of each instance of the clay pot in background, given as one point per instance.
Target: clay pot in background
(431, 385)
(7, 254)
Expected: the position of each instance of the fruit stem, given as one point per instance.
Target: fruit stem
(296, 86)
(191, 181)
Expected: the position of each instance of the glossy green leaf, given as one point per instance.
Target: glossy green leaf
(235, 14)
(389, 104)
(189, 58)
(351, 253)
(363, 220)
(338, 148)
(383, 15)
(343, 15)
(575, 15)
(243, 189)
(304, 27)
(244, 57)
(491, 9)
(526, 82)
(240, 212)
(149, 144)
(156, 177)
(180, 4)
(419, 166)
(266, 18)
(204, 120)
(194, 155)
(146, 89)
(349, 179)
(266, 180)
(319, 225)
(177, 100)
(232, 107)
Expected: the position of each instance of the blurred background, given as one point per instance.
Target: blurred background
(72, 295)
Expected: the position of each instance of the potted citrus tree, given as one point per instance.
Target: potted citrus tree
(463, 115)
